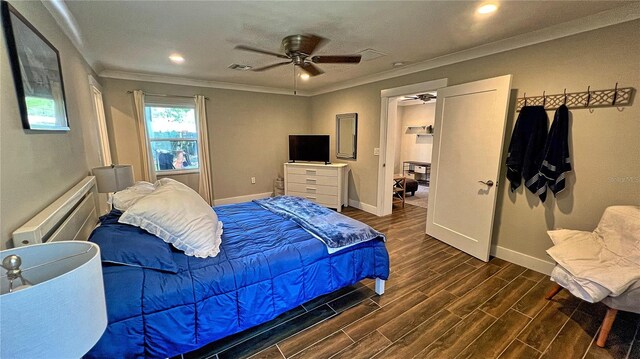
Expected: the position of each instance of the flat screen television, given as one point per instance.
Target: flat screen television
(309, 148)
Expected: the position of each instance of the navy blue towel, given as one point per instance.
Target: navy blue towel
(556, 161)
(526, 147)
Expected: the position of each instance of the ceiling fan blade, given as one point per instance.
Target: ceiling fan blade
(346, 59)
(314, 43)
(260, 51)
(311, 69)
(259, 69)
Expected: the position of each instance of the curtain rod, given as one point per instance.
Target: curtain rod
(165, 95)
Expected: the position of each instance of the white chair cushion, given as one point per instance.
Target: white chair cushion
(609, 256)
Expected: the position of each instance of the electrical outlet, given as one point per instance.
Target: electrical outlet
(376, 151)
(253, 180)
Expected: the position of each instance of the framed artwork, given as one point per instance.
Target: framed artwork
(37, 74)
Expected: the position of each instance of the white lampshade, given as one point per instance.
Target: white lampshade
(113, 178)
(63, 313)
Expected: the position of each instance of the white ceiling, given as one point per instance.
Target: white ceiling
(138, 36)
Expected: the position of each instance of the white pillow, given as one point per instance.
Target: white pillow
(124, 199)
(178, 215)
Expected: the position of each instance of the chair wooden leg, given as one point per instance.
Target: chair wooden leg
(607, 323)
(553, 291)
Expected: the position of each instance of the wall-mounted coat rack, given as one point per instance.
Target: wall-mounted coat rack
(615, 97)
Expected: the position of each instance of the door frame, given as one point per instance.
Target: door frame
(100, 122)
(388, 143)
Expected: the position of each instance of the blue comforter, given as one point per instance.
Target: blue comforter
(335, 230)
(266, 266)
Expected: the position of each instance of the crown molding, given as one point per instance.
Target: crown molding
(69, 26)
(174, 80)
(592, 22)
(611, 17)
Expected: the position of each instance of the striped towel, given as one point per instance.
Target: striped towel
(556, 160)
(525, 149)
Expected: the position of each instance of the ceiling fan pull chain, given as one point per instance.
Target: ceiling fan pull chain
(295, 83)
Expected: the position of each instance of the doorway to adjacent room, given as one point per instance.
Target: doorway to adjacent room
(406, 141)
(465, 162)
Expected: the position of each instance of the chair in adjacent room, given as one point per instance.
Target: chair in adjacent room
(399, 190)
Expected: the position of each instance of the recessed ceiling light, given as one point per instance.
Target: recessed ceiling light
(304, 76)
(487, 8)
(176, 58)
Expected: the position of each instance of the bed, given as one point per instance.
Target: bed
(267, 265)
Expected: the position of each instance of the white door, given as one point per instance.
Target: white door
(101, 122)
(467, 150)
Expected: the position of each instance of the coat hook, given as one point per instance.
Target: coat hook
(525, 98)
(565, 96)
(615, 95)
(544, 98)
(588, 96)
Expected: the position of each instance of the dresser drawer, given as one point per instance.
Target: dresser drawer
(312, 171)
(312, 180)
(312, 189)
(323, 199)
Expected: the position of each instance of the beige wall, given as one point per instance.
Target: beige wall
(362, 100)
(605, 145)
(413, 147)
(248, 133)
(38, 167)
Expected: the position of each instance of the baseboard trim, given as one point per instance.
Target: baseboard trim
(522, 259)
(363, 206)
(240, 199)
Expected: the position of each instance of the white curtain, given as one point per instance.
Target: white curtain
(148, 171)
(204, 158)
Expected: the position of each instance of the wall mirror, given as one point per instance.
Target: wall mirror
(347, 135)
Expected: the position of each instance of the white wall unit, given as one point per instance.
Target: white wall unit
(324, 184)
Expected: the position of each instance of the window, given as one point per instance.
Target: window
(173, 137)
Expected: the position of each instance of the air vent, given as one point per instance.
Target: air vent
(370, 54)
(240, 67)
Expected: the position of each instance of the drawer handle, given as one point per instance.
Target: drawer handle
(311, 189)
(312, 179)
(311, 197)
(311, 170)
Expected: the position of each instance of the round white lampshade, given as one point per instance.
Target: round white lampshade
(63, 314)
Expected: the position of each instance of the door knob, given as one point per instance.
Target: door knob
(488, 183)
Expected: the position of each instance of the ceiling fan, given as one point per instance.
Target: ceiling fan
(424, 97)
(298, 50)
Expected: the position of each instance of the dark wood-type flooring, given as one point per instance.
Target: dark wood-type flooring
(439, 303)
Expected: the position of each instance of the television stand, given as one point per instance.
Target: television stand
(325, 184)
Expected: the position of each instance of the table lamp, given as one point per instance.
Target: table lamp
(113, 178)
(52, 301)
